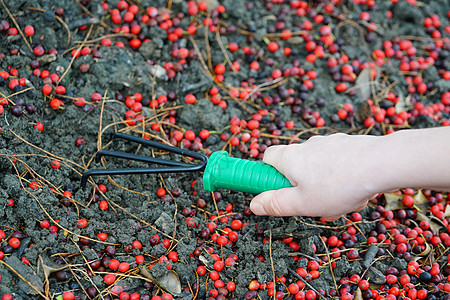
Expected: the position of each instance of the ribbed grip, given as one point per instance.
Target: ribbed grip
(241, 175)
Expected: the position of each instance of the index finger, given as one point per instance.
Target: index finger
(276, 157)
(273, 156)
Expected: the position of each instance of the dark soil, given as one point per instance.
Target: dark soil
(135, 212)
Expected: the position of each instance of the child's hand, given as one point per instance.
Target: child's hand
(332, 175)
(338, 174)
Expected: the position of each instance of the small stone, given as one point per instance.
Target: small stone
(375, 276)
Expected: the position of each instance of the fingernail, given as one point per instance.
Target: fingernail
(257, 208)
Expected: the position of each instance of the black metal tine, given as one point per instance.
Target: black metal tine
(131, 156)
(89, 173)
(161, 146)
(175, 166)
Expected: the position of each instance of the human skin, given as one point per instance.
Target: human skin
(337, 174)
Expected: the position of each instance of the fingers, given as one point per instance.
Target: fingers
(276, 157)
(285, 202)
(331, 219)
(362, 206)
(334, 218)
(291, 202)
(273, 156)
(274, 203)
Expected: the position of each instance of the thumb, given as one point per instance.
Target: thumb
(282, 202)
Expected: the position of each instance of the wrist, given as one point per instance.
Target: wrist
(391, 162)
(377, 161)
(414, 158)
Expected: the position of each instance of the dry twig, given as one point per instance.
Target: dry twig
(75, 56)
(271, 263)
(331, 266)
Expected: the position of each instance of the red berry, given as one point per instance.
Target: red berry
(173, 256)
(341, 87)
(68, 296)
(103, 205)
(233, 47)
(342, 114)
(102, 236)
(123, 267)
(402, 248)
(353, 254)
(109, 278)
(39, 126)
(219, 69)
(79, 142)
(14, 242)
(231, 286)
(408, 201)
(113, 264)
(135, 43)
(347, 69)
(272, 46)
(12, 31)
(293, 288)
(369, 122)
(363, 285)
(82, 223)
(190, 99)
(311, 295)
(253, 285)
(29, 30)
(236, 224)
(192, 9)
(38, 50)
(201, 270)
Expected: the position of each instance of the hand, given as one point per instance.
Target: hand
(331, 175)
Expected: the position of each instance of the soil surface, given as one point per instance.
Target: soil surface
(33, 191)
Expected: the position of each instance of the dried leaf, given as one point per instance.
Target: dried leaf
(438, 221)
(426, 251)
(47, 266)
(358, 295)
(447, 211)
(362, 84)
(363, 112)
(170, 282)
(394, 201)
(204, 260)
(416, 258)
(420, 198)
(433, 225)
(402, 103)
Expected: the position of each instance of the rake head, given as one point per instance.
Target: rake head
(169, 166)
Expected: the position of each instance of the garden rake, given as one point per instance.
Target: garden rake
(220, 170)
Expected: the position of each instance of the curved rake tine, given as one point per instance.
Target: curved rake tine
(130, 171)
(161, 146)
(142, 158)
(174, 166)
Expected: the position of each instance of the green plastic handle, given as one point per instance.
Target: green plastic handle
(241, 175)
